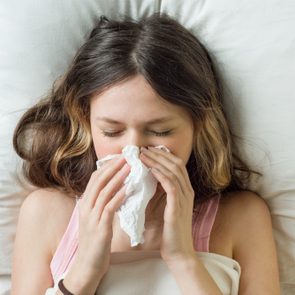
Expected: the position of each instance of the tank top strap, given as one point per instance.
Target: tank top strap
(203, 221)
(66, 249)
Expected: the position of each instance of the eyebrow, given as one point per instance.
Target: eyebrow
(153, 121)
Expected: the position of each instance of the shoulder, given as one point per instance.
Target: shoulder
(241, 205)
(42, 217)
(249, 215)
(238, 211)
(47, 212)
(242, 211)
(47, 205)
(244, 208)
(42, 199)
(245, 220)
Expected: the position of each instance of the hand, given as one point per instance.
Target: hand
(103, 195)
(170, 171)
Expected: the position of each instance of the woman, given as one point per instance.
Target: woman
(144, 83)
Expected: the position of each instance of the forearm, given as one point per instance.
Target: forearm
(78, 287)
(191, 276)
(79, 282)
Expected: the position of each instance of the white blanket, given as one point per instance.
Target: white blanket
(144, 272)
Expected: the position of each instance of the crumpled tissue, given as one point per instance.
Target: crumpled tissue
(141, 187)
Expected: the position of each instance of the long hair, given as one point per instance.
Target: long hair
(54, 138)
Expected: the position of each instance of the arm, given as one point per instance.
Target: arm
(249, 222)
(78, 282)
(177, 248)
(246, 217)
(41, 215)
(192, 276)
(254, 246)
(31, 257)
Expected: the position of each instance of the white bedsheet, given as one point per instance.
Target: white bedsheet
(140, 272)
(253, 43)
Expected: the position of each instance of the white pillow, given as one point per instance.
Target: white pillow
(253, 42)
(254, 45)
(38, 41)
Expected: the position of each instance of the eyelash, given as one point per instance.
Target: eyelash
(113, 134)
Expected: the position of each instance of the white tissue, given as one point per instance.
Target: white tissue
(141, 187)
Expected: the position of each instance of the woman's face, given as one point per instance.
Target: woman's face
(123, 114)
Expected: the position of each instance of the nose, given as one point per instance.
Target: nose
(137, 138)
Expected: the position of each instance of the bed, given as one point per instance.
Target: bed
(253, 43)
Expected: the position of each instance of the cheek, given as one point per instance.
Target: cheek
(188, 150)
(103, 146)
(182, 151)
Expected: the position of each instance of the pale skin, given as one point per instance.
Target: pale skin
(242, 229)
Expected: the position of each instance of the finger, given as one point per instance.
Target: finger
(113, 205)
(172, 189)
(99, 179)
(110, 190)
(107, 164)
(176, 198)
(166, 167)
(166, 155)
(174, 159)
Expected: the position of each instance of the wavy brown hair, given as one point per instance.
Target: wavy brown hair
(54, 139)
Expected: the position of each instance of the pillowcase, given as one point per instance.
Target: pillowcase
(253, 44)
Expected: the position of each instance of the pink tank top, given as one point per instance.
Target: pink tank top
(203, 221)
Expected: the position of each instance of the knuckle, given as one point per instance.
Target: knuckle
(108, 210)
(179, 162)
(175, 166)
(105, 232)
(173, 188)
(173, 177)
(103, 192)
(166, 179)
(106, 191)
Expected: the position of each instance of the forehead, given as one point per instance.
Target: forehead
(133, 98)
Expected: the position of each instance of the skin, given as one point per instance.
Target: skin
(137, 95)
(133, 128)
(242, 229)
(110, 138)
(176, 245)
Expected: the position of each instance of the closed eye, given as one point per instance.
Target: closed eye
(164, 133)
(109, 134)
(113, 134)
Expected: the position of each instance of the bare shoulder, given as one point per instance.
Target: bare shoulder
(237, 212)
(43, 217)
(47, 198)
(244, 209)
(244, 221)
(51, 210)
(241, 205)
